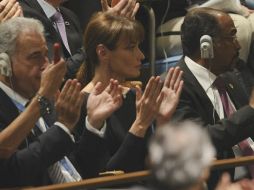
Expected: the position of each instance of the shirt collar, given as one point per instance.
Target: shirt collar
(203, 75)
(13, 95)
(48, 9)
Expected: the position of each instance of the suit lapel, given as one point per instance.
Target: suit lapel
(8, 110)
(70, 26)
(33, 9)
(191, 82)
(35, 5)
(233, 89)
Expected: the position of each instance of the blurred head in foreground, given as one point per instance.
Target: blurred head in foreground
(180, 155)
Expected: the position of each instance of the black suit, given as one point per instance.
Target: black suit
(32, 8)
(118, 150)
(83, 9)
(195, 104)
(28, 165)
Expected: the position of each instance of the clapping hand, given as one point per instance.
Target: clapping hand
(226, 184)
(9, 9)
(102, 103)
(147, 106)
(127, 8)
(68, 103)
(171, 91)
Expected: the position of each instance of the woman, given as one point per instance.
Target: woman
(112, 47)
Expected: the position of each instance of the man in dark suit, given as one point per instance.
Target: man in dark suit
(44, 11)
(200, 99)
(26, 76)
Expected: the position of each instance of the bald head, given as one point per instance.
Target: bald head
(199, 22)
(220, 27)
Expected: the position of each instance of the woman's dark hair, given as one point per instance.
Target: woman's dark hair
(107, 29)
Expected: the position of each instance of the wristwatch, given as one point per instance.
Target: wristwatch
(45, 105)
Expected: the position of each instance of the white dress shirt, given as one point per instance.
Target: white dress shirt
(206, 79)
(48, 9)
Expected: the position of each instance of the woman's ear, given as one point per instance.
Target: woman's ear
(101, 50)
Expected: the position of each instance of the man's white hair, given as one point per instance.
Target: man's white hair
(12, 28)
(180, 153)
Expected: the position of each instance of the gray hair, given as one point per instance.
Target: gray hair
(180, 153)
(12, 28)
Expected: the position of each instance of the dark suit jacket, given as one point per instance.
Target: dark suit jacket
(195, 104)
(118, 150)
(83, 9)
(28, 165)
(32, 8)
(245, 74)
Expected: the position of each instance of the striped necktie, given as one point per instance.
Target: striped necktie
(58, 20)
(245, 145)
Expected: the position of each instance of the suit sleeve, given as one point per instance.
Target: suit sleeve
(130, 156)
(94, 155)
(26, 166)
(118, 150)
(224, 133)
(74, 62)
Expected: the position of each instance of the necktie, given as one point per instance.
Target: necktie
(61, 171)
(227, 107)
(57, 18)
(246, 144)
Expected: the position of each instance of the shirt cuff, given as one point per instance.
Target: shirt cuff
(95, 131)
(63, 127)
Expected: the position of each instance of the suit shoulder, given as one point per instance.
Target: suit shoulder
(69, 13)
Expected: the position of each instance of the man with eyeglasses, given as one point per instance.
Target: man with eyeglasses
(217, 102)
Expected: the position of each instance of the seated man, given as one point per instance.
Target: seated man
(169, 40)
(218, 103)
(26, 76)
